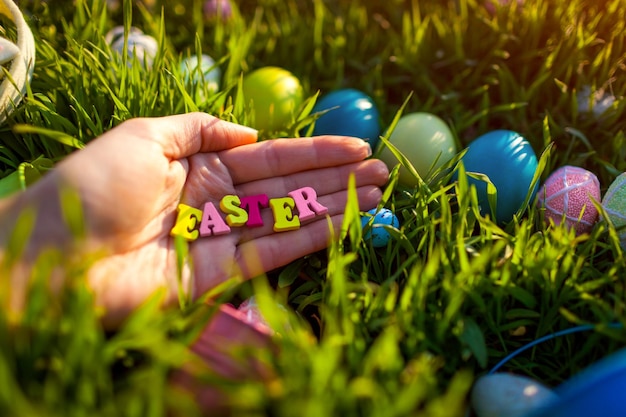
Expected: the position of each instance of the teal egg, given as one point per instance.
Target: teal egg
(350, 112)
(509, 161)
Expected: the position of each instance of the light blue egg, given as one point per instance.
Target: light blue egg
(509, 395)
(352, 113)
(203, 70)
(510, 163)
(377, 233)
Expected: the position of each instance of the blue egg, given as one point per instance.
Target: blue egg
(352, 113)
(510, 163)
(378, 235)
(596, 391)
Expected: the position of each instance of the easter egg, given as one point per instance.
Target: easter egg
(508, 395)
(377, 233)
(596, 391)
(139, 45)
(252, 312)
(217, 9)
(425, 140)
(510, 163)
(350, 113)
(201, 70)
(117, 33)
(568, 195)
(596, 103)
(614, 203)
(275, 94)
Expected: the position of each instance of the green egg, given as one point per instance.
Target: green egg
(614, 203)
(425, 140)
(275, 94)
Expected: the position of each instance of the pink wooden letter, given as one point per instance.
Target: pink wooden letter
(212, 223)
(306, 203)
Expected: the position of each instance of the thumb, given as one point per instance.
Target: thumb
(184, 135)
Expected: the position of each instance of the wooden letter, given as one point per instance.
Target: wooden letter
(212, 223)
(306, 203)
(254, 203)
(284, 219)
(236, 216)
(187, 222)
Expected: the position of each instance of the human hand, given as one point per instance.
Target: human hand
(131, 180)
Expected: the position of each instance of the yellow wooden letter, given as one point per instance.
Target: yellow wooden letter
(236, 216)
(187, 222)
(284, 219)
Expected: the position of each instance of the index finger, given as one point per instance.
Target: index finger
(279, 157)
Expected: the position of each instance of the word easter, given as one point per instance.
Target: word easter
(246, 211)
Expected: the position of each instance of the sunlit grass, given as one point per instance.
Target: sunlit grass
(400, 330)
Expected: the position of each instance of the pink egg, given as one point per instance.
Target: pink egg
(571, 191)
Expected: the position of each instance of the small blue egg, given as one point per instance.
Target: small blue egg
(352, 113)
(510, 163)
(378, 235)
(596, 391)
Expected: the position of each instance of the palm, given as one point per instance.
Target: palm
(133, 213)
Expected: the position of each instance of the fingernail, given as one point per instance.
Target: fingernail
(251, 130)
(369, 149)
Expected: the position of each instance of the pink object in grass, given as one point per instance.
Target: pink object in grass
(569, 193)
(230, 347)
(252, 314)
(218, 9)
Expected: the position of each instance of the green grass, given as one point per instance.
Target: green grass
(402, 330)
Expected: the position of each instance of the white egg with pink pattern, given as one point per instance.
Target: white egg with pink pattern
(568, 196)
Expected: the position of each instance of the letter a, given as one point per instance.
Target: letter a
(212, 223)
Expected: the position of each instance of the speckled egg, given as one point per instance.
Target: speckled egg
(568, 194)
(275, 94)
(614, 203)
(425, 140)
(508, 395)
(350, 113)
(376, 233)
(509, 161)
(201, 70)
